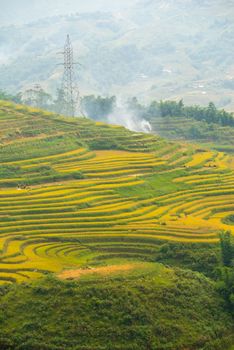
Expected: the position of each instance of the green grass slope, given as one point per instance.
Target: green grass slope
(159, 309)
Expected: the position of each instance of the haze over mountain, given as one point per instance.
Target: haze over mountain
(154, 49)
(29, 10)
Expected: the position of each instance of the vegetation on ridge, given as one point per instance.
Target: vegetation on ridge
(162, 309)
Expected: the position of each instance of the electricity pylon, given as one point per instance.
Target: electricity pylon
(69, 91)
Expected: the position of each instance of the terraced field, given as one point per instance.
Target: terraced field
(217, 136)
(75, 193)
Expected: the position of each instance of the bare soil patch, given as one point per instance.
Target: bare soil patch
(104, 270)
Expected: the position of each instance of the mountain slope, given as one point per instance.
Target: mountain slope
(74, 192)
(155, 50)
(159, 308)
(96, 207)
(18, 13)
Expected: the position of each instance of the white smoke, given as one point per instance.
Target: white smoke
(121, 116)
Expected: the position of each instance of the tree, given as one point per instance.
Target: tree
(227, 248)
(211, 113)
(171, 108)
(153, 110)
(59, 102)
(226, 286)
(98, 108)
(226, 282)
(37, 97)
(8, 97)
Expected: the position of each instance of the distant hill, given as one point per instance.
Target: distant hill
(24, 11)
(155, 50)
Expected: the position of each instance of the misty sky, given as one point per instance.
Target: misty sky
(21, 11)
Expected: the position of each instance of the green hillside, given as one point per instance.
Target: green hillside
(174, 120)
(88, 211)
(181, 128)
(157, 308)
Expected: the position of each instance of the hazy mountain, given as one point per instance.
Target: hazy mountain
(29, 10)
(155, 49)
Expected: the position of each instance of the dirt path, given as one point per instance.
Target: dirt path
(104, 270)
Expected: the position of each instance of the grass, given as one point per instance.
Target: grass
(156, 185)
(229, 219)
(146, 309)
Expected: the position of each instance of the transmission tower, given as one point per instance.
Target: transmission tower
(69, 90)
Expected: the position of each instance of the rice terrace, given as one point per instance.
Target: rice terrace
(102, 224)
(74, 192)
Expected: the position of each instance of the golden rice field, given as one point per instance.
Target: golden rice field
(73, 192)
